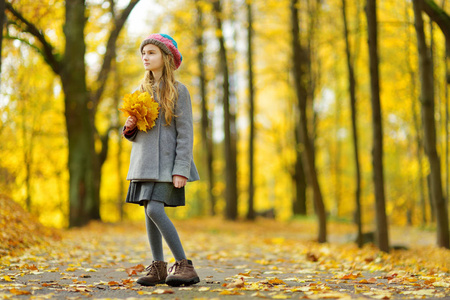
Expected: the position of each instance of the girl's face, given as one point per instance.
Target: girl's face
(152, 58)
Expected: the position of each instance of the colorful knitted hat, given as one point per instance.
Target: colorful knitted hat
(167, 44)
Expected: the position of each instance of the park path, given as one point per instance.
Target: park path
(266, 259)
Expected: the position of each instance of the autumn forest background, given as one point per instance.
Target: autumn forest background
(325, 109)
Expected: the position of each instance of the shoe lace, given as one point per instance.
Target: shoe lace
(178, 268)
(152, 269)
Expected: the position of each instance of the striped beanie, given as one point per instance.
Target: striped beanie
(167, 44)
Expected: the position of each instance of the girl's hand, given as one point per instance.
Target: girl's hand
(179, 181)
(130, 123)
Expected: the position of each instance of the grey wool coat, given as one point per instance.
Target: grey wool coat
(164, 151)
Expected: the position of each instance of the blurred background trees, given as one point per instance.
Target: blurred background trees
(289, 119)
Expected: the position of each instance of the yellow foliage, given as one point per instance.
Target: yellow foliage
(143, 107)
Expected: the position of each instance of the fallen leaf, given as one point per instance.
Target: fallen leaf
(162, 291)
(281, 296)
(19, 292)
(259, 295)
(441, 284)
(368, 281)
(350, 276)
(276, 281)
(135, 270)
(311, 257)
(71, 269)
(238, 283)
(230, 292)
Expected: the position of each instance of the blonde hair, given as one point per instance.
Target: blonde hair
(169, 94)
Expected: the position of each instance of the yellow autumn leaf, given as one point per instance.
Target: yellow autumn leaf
(7, 278)
(280, 296)
(441, 284)
(19, 292)
(144, 293)
(71, 269)
(162, 291)
(276, 281)
(259, 295)
(143, 107)
(230, 292)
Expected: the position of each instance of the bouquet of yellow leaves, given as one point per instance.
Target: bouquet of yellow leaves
(143, 107)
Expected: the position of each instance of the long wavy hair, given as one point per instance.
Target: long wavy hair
(168, 94)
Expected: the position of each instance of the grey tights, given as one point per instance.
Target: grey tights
(158, 226)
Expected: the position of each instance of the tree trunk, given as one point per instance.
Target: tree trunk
(447, 131)
(251, 150)
(2, 22)
(352, 92)
(336, 162)
(429, 126)
(417, 126)
(418, 138)
(78, 116)
(118, 127)
(299, 205)
(229, 126)
(206, 123)
(382, 237)
(442, 19)
(300, 59)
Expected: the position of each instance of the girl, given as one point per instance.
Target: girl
(161, 159)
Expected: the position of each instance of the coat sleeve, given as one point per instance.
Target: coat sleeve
(184, 133)
(130, 135)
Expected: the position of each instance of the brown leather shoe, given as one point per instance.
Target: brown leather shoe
(157, 274)
(182, 272)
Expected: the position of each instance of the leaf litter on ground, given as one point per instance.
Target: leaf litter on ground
(264, 259)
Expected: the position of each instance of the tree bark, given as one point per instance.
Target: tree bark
(382, 237)
(300, 59)
(2, 22)
(299, 204)
(429, 126)
(229, 125)
(78, 116)
(251, 150)
(117, 96)
(206, 129)
(442, 19)
(417, 127)
(352, 92)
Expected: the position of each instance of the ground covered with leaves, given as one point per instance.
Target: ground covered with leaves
(20, 229)
(264, 259)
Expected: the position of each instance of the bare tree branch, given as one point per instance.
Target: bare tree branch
(112, 5)
(47, 50)
(111, 50)
(36, 48)
(438, 15)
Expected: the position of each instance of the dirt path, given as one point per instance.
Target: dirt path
(264, 260)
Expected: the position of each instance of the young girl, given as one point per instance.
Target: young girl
(161, 159)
